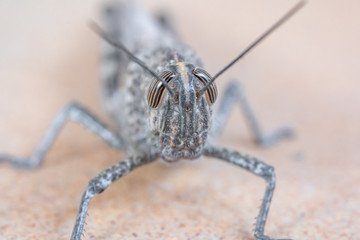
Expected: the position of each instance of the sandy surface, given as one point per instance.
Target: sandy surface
(305, 75)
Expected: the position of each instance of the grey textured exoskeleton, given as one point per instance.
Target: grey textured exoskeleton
(161, 103)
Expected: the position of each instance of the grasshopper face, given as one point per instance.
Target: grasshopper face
(182, 120)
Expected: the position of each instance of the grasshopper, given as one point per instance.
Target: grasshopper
(160, 99)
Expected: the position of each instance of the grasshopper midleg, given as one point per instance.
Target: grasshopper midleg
(71, 112)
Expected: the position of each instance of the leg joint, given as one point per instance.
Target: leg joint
(270, 177)
(96, 186)
(71, 106)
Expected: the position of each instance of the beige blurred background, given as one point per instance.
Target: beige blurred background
(305, 75)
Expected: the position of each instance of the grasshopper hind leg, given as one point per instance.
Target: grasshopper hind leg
(234, 93)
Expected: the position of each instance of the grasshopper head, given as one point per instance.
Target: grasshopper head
(182, 119)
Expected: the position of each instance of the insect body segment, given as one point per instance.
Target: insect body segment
(184, 117)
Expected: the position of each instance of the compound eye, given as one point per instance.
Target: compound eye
(157, 89)
(204, 78)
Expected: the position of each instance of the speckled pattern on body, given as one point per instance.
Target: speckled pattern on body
(177, 127)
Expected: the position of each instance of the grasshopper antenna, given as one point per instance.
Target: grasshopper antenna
(97, 29)
(289, 14)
